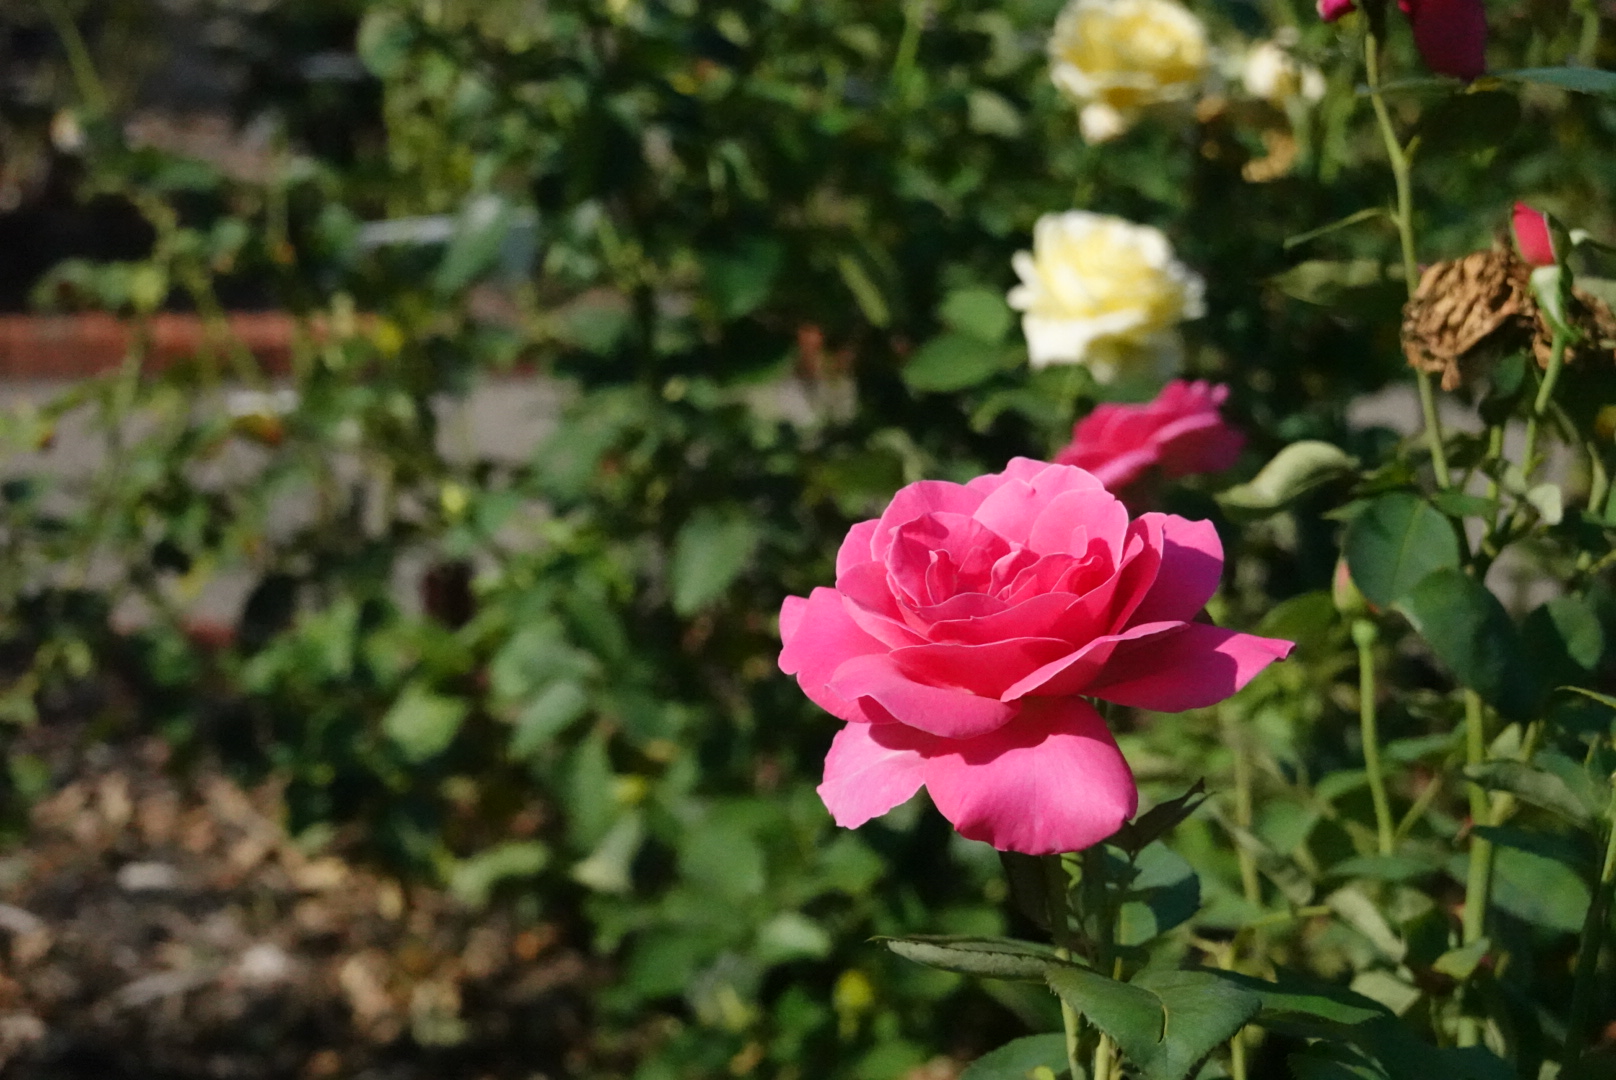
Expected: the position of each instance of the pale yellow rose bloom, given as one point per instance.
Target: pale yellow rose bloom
(1270, 72)
(1115, 57)
(1103, 292)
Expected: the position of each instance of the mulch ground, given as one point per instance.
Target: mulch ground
(157, 930)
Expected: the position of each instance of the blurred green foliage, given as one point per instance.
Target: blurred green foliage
(754, 252)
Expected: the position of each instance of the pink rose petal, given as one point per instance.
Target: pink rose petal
(1052, 781)
(870, 769)
(1190, 668)
(950, 712)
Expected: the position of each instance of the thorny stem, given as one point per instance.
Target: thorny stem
(1364, 636)
(1404, 219)
(1585, 989)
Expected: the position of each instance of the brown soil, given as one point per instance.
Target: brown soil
(154, 930)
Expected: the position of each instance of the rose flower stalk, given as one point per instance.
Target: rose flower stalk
(967, 628)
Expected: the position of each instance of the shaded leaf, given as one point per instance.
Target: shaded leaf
(1165, 1022)
(1293, 472)
(423, 723)
(1469, 631)
(980, 313)
(1547, 783)
(1582, 80)
(1395, 543)
(988, 958)
(953, 362)
(1017, 1059)
(710, 552)
(1159, 820)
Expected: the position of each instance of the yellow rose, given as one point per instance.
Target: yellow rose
(1103, 292)
(1114, 57)
(1270, 72)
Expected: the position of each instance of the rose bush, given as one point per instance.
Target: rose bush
(966, 626)
(1181, 432)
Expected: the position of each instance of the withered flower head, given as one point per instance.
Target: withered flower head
(1470, 311)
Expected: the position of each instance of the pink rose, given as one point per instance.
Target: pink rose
(1451, 35)
(1181, 432)
(1532, 235)
(968, 624)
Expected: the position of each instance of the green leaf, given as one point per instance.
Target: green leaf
(480, 232)
(1029, 885)
(953, 362)
(1356, 218)
(1159, 820)
(1165, 1022)
(1292, 996)
(739, 281)
(608, 868)
(384, 42)
(1384, 867)
(1461, 962)
(1326, 1062)
(865, 291)
(981, 313)
(1456, 504)
(1548, 501)
(791, 935)
(1542, 891)
(984, 957)
(710, 552)
(1581, 80)
(546, 716)
(473, 880)
(1166, 893)
(1293, 472)
(1553, 782)
(423, 723)
(1017, 1059)
(1469, 631)
(992, 114)
(1395, 543)
(1327, 282)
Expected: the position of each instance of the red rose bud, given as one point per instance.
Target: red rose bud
(1533, 236)
(1331, 10)
(1451, 35)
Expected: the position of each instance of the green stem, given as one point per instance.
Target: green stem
(1104, 1058)
(1585, 986)
(1059, 892)
(1404, 219)
(1545, 394)
(1478, 883)
(903, 63)
(1250, 881)
(90, 87)
(1364, 636)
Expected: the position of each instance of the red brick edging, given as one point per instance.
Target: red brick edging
(79, 346)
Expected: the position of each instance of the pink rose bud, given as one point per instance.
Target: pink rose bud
(966, 629)
(1533, 236)
(1181, 433)
(1331, 10)
(1451, 35)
